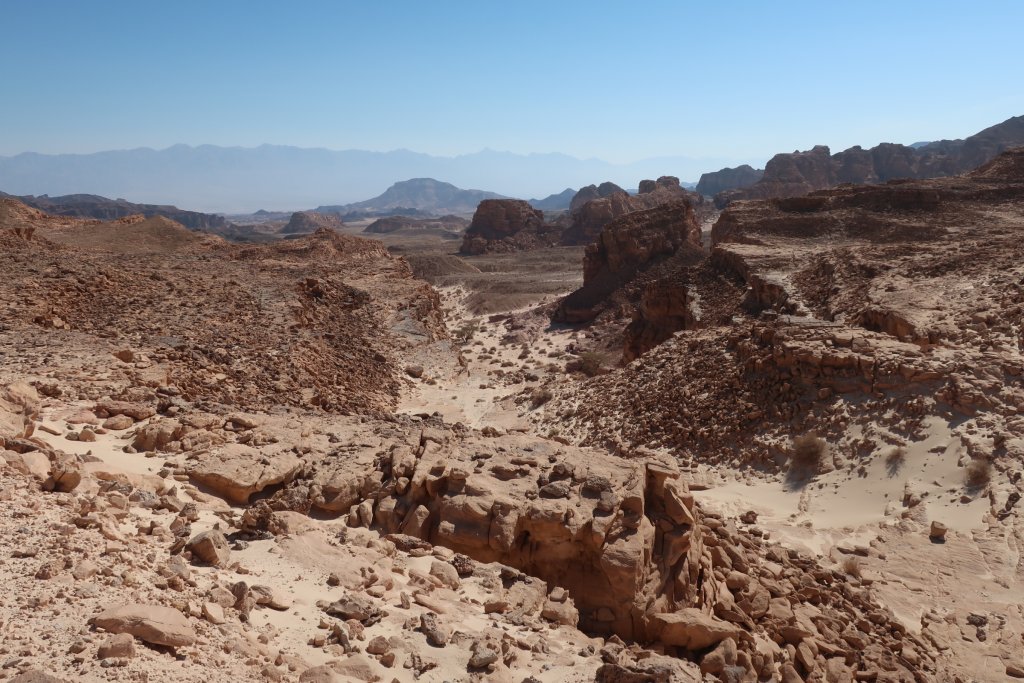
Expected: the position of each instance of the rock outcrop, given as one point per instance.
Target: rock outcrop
(626, 247)
(629, 551)
(593, 208)
(501, 225)
(590, 192)
(305, 222)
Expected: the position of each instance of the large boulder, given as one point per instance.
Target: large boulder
(210, 547)
(691, 629)
(237, 471)
(153, 624)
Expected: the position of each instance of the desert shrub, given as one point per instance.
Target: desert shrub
(808, 451)
(591, 363)
(851, 565)
(894, 461)
(540, 396)
(467, 330)
(978, 473)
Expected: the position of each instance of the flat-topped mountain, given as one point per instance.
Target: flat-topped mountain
(424, 194)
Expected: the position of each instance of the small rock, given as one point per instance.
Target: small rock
(210, 547)
(118, 646)
(432, 629)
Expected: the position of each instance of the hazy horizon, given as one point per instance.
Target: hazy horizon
(700, 87)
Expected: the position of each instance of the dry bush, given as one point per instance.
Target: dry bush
(978, 473)
(808, 451)
(466, 332)
(540, 396)
(851, 565)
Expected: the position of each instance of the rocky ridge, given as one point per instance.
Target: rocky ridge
(789, 175)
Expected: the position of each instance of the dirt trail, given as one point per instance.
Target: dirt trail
(497, 364)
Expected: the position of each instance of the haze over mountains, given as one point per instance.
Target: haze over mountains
(235, 179)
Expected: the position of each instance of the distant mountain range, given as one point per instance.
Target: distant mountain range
(422, 194)
(241, 180)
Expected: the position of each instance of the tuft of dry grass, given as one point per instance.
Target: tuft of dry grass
(978, 473)
(808, 451)
(851, 565)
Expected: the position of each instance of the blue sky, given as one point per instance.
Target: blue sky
(618, 81)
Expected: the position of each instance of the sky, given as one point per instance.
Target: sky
(620, 81)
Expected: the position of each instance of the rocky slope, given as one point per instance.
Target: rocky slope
(789, 175)
(306, 299)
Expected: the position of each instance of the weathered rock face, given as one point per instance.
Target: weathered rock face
(501, 225)
(589, 218)
(303, 222)
(711, 184)
(627, 246)
(790, 175)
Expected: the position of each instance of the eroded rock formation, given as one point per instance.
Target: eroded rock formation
(501, 225)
